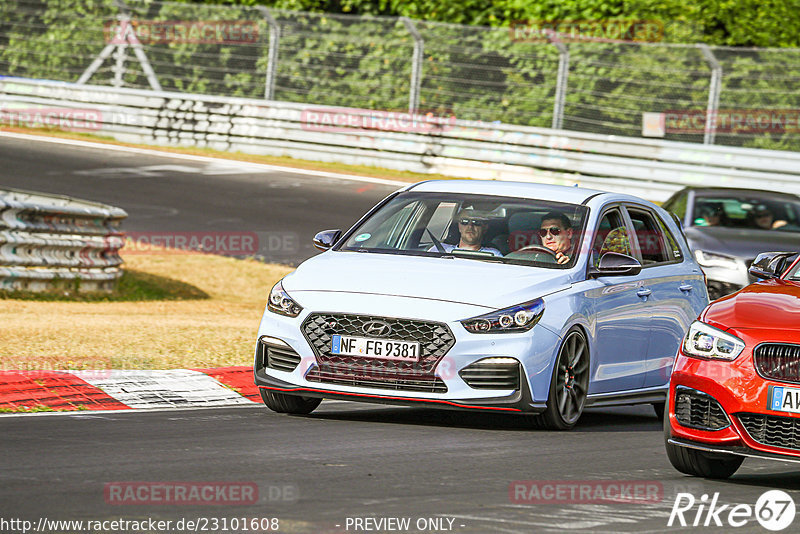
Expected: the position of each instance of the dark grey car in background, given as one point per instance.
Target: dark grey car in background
(727, 228)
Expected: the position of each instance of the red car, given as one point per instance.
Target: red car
(735, 386)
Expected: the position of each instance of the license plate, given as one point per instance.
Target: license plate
(384, 349)
(783, 399)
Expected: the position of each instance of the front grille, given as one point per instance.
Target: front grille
(435, 340)
(278, 357)
(484, 374)
(778, 361)
(349, 375)
(772, 430)
(695, 409)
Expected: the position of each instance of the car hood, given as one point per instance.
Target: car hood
(744, 243)
(475, 282)
(770, 304)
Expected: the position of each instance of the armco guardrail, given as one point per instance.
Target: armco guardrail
(650, 168)
(48, 240)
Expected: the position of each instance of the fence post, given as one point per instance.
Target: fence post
(561, 79)
(127, 38)
(120, 55)
(714, 90)
(416, 65)
(272, 54)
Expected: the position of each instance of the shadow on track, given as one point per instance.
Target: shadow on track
(624, 419)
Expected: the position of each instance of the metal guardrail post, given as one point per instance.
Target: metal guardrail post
(561, 79)
(128, 36)
(416, 65)
(272, 54)
(714, 90)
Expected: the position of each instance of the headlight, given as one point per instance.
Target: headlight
(705, 341)
(517, 318)
(710, 259)
(281, 303)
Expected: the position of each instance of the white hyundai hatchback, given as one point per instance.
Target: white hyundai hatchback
(509, 297)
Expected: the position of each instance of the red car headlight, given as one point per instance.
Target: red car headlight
(705, 341)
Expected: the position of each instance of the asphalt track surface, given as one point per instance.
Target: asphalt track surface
(346, 460)
(165, 195)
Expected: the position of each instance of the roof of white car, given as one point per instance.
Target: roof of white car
(556, 193)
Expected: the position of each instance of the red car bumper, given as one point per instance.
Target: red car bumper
(730, 410)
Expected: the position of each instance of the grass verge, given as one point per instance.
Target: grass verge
(171, 311)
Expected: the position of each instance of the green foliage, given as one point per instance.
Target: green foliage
(328, 57)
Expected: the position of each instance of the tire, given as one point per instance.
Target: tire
(292, 404)
(699, 463)
(658, 407)
(568, 385)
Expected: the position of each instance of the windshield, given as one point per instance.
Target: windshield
(747, 210)
(488, 228)
(794, 272)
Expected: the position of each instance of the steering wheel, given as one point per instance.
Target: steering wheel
(534, 250)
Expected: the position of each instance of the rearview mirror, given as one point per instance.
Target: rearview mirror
(771, 264)
(616, 264)
(326, 239)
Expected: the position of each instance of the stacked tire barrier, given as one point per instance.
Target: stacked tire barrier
(49, 241)
(435, 145)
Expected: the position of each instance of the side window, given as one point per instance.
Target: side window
(611, 236)
(672, 243)
(650, 236)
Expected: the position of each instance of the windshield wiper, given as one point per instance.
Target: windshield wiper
(477, 255)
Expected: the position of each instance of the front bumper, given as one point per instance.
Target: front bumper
(742, 395)
(441, 382)
(519, 402)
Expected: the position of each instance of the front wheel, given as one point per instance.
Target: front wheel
(292, 404)
(569, 384)
(700, 463)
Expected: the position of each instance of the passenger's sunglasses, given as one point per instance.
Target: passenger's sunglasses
(473, 222)
(555, 230)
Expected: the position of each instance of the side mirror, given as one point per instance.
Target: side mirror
(326, 239)
(616, 264)
(771, 264)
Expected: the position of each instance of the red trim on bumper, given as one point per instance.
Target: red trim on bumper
(388, 397)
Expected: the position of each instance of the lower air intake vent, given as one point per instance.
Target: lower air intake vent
(361, 376)
(275, 354)
(772, 430)
(492, 373)
(695, 409)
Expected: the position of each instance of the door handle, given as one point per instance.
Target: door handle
(644, 292)
(686, 288)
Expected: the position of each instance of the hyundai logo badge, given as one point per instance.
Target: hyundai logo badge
(376, 328)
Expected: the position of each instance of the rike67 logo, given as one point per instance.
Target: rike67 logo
(774, 510)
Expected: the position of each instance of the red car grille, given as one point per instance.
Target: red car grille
(778, 361)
